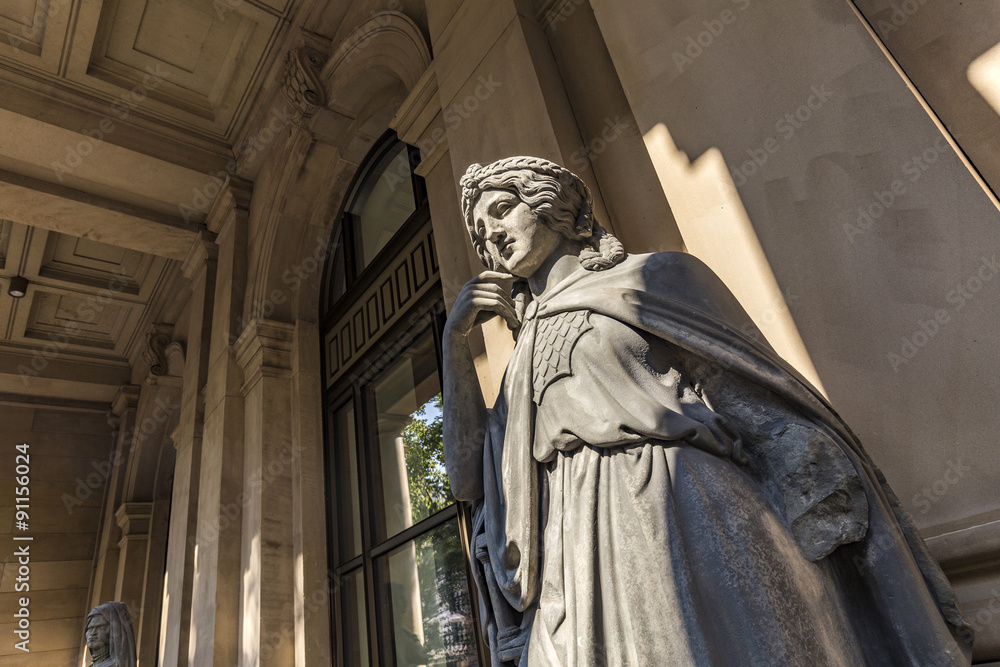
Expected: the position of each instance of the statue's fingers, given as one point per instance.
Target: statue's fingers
(505, 280)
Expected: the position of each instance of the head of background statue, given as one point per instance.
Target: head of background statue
(109, 635)
(559, 198)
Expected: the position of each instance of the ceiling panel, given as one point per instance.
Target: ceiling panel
(80, 320)
(195, 57)
(173, 32)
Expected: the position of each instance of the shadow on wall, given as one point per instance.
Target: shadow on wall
(802, 169)
(716, 228)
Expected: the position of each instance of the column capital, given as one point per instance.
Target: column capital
(264, 349)
(203, 251)
(133, 519)
(126, 399)
(232, 203)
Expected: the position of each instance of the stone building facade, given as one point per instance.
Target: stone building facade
(240, 229)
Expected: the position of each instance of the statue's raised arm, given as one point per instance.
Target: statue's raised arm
(654, 485)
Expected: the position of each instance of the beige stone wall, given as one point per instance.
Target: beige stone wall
(776, 141)
(70, 449)
(802, 168)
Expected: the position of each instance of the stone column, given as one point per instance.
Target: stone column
(217, 574)
(267, 620)
(199, 269)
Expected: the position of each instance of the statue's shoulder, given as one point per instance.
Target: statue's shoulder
(676, 273)
(670, 261)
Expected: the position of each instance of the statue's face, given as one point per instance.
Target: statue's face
(98, 635)
(513, 233)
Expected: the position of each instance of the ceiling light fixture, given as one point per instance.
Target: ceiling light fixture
(18, 287)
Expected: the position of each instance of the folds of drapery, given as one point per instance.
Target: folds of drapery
(675, 298)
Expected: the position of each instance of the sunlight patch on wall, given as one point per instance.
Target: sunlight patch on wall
(984, 75)
(717, 230)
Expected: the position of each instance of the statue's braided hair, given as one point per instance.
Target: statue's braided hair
(558, 196)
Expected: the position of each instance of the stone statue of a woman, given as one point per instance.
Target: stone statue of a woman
(654, 485)
(109, 636)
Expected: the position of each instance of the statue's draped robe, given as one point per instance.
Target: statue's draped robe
(661, 489)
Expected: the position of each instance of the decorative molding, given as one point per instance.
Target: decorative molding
(301, 84)
(69, 404)
(203, 250)
(264, 349)
(967, 549)
(157, 340)
(388, 39)
(134, 520)
(433, 146)
(126, 399)
(419, 122)
(408, 278)
(164, 358)
(417, 111)
(233, 200)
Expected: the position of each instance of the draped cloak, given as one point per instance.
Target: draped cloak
(661, 488)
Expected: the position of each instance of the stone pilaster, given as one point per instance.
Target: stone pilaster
(199, 269)
(122, 418)
(309, 520)
(133, 520)
(217, 576)
(267, 618)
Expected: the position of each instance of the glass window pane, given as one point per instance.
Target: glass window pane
(337, 278)
(408, 400)
(425, 601)
(384, 202)
(348, 492)
(354, 647)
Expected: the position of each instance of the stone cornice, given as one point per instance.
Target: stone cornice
(264, 349)
(967, 549)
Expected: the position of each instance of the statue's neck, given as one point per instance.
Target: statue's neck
(557, 267)
(102, 661)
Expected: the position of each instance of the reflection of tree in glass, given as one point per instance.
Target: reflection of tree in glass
(430, 491)
(444, 596)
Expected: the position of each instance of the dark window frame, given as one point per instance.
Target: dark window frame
(356, 276)
(358, 389)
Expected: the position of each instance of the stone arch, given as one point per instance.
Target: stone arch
(366, 78)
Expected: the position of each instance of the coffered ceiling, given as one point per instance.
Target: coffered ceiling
(191, 64)
(116, 119)
(87, 306)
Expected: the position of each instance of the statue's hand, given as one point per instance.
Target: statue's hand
(485, 296)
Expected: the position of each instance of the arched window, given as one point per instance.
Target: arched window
(385, 195)
(402, 592)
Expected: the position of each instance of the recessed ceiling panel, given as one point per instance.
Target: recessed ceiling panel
(173, 32)
(71, 259)
(31, 31)
(74, 319)
(23, 11)
(197, 57)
